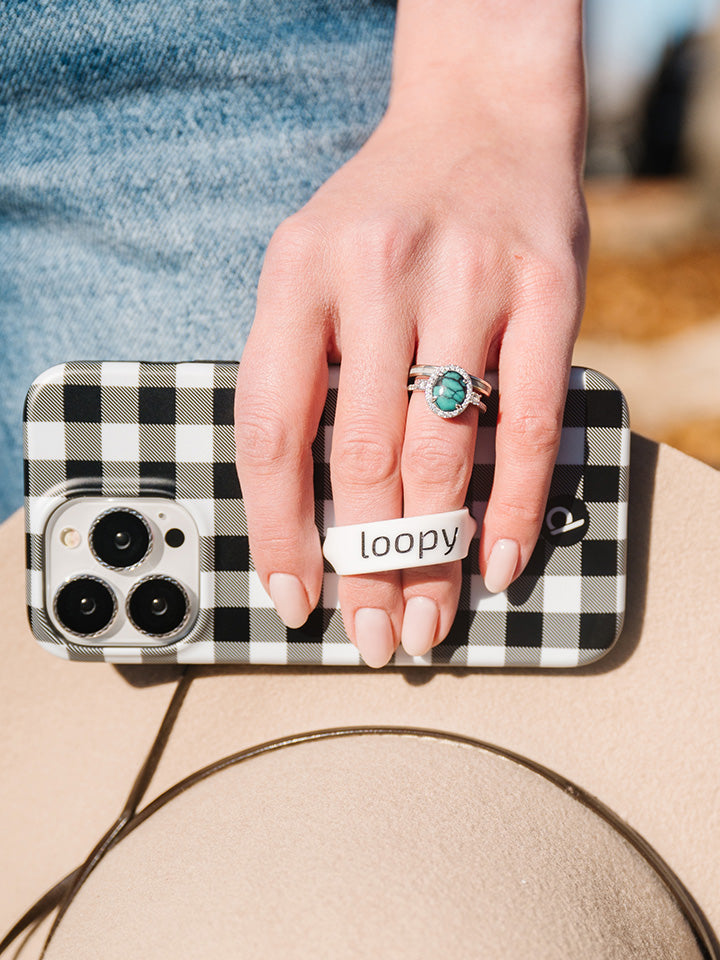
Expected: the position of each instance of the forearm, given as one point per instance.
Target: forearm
(519, 61)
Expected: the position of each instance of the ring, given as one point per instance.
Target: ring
(449, 389)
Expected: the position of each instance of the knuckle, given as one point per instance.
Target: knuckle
(272, 539)
(579, 235)
(292, 248)
(470, 256)
(362, 458)
(273, 544)
(386, 244)
(517, 509)
(263, 440)
(551, 278)
(532, 433)
(436, 462)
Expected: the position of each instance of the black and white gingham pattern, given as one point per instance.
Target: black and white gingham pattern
(134, 429)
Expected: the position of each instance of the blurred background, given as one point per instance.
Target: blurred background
(652, 321)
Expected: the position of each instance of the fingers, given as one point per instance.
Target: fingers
(392, 457)
(533, 374)
(365, 458)
(461, 314)
(436, 468)
(281, 390)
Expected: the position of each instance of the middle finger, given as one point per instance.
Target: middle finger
(437, 465)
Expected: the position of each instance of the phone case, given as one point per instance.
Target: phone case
(161, 429)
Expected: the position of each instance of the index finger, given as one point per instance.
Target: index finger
(281, 390)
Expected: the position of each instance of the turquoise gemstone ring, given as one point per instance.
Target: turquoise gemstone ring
(449, 389)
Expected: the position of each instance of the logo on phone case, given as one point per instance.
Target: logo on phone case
(566, 521)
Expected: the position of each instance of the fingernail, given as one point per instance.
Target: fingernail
(290, 599)
(419, 625)
(501, 566)
(374, 636)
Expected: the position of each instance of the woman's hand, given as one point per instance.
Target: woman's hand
(456, 235)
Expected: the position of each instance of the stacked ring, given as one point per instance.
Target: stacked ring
(448, 389)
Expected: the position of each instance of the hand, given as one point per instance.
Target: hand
(457, 234)
(437, 241)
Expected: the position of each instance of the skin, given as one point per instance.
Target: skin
(457, 234)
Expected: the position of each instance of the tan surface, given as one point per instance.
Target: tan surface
(648, 218)
(652, 317)
(72, 742)
(638, 729)
(384, 846)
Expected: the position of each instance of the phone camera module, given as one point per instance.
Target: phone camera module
(158, 606)
(120, 539)
(85, 606)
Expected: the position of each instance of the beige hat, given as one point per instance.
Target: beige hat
(367, 844)
(399, 844)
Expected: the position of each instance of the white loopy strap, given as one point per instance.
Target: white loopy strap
(396, 544)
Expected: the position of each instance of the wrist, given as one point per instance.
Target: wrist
(511, 65)
(447, 119)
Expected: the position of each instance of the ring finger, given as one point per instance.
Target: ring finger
(437, 464)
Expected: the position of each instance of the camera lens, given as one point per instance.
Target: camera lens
(158, 606)
(120, 538)
(85, 606)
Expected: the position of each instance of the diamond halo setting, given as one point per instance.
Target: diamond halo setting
(442, 391)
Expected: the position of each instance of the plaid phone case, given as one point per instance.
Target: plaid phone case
(161, 429)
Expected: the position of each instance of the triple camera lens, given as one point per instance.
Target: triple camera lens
(120, 539)
(85, 606)
(157, 606)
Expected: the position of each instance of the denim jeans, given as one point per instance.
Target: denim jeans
(148, 150)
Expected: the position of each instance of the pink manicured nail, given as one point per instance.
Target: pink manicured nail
(374, 636)
(501, 566)
(419, 625)
(290, 599)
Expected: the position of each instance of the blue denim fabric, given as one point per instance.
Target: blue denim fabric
(148, 150)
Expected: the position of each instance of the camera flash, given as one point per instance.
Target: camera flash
(70, 538)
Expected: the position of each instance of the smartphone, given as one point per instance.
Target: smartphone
(137, 545)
